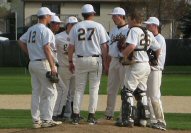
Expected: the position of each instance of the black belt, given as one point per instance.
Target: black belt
(80, 56)
(39, 59)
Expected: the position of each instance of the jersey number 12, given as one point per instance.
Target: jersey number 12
(32, 36)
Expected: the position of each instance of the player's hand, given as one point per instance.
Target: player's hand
(54, 70)
(71, 67)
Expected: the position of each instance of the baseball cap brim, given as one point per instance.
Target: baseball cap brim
(116, 14)
(146, 22)
(51, 14)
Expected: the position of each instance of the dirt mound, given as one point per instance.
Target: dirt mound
(103, 126)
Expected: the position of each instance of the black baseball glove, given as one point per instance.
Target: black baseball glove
(52, 78)
(153, 61)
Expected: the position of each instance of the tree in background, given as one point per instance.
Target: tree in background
(185, 24)
(168, 11)
(4, 9)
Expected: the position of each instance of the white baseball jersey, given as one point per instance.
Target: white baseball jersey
(136, 37)
(62, 42)
(116, 33)
(39, 35)
(162, 56)
(87, 39)
(42, 104)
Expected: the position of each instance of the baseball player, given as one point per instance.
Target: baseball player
(61, 87)
(55, 24)
(154, 80)
(116, 69)
(62, 42)
(88, 39)
(135, 83)
(36, 42)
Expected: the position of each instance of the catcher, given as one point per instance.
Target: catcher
(137, 42)
(129, 60)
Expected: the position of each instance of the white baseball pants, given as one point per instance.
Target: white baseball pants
(62, 88)
(87, 69)
(154, 95)
(115, 81)
(43, 91)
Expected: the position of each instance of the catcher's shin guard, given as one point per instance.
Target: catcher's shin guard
(128, 110)
(142, 106)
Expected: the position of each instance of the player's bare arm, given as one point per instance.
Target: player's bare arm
(108, 56)
(23, 46)
(50, 59)
(71, 50)
(104, 49)
(157, 52)
(126, 52)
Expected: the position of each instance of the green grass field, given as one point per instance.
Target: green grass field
(176, 82)
(22, 119)
(17, 81)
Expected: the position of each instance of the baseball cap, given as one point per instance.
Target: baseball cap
(71, 20)
(118, 11)
(88, 8)
(55, 19)
(44, 11)
(152, 20)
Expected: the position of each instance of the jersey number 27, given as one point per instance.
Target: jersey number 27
(82, 33)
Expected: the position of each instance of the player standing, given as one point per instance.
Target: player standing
(154, 80)
(62, 42)
(116, 69)
(59, 108)
(36, 43)
(55, 24)
(87, 38)
(135, 83)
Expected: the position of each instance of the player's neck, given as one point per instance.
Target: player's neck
(68, 31)
(43, 21)
(122, 25)
(155, 33)
(136, 25)
(89, 18)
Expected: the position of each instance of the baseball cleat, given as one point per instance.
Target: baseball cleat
(143, 123)
(75, 119)
(159, 125)
(37, 124)
(91, 119)
(119, 123)
(57, 118)
(109, 117)
(50, 123)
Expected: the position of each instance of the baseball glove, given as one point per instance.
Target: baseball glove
(52, 78)
(127, 60)
(121, 43)
(152, 57)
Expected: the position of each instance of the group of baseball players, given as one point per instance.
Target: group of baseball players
(78, 54)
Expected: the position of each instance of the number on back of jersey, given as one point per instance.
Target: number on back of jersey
(85, 34)
(145, 40)
(32, 37)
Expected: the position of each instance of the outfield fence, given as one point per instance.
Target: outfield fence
(178, 53)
